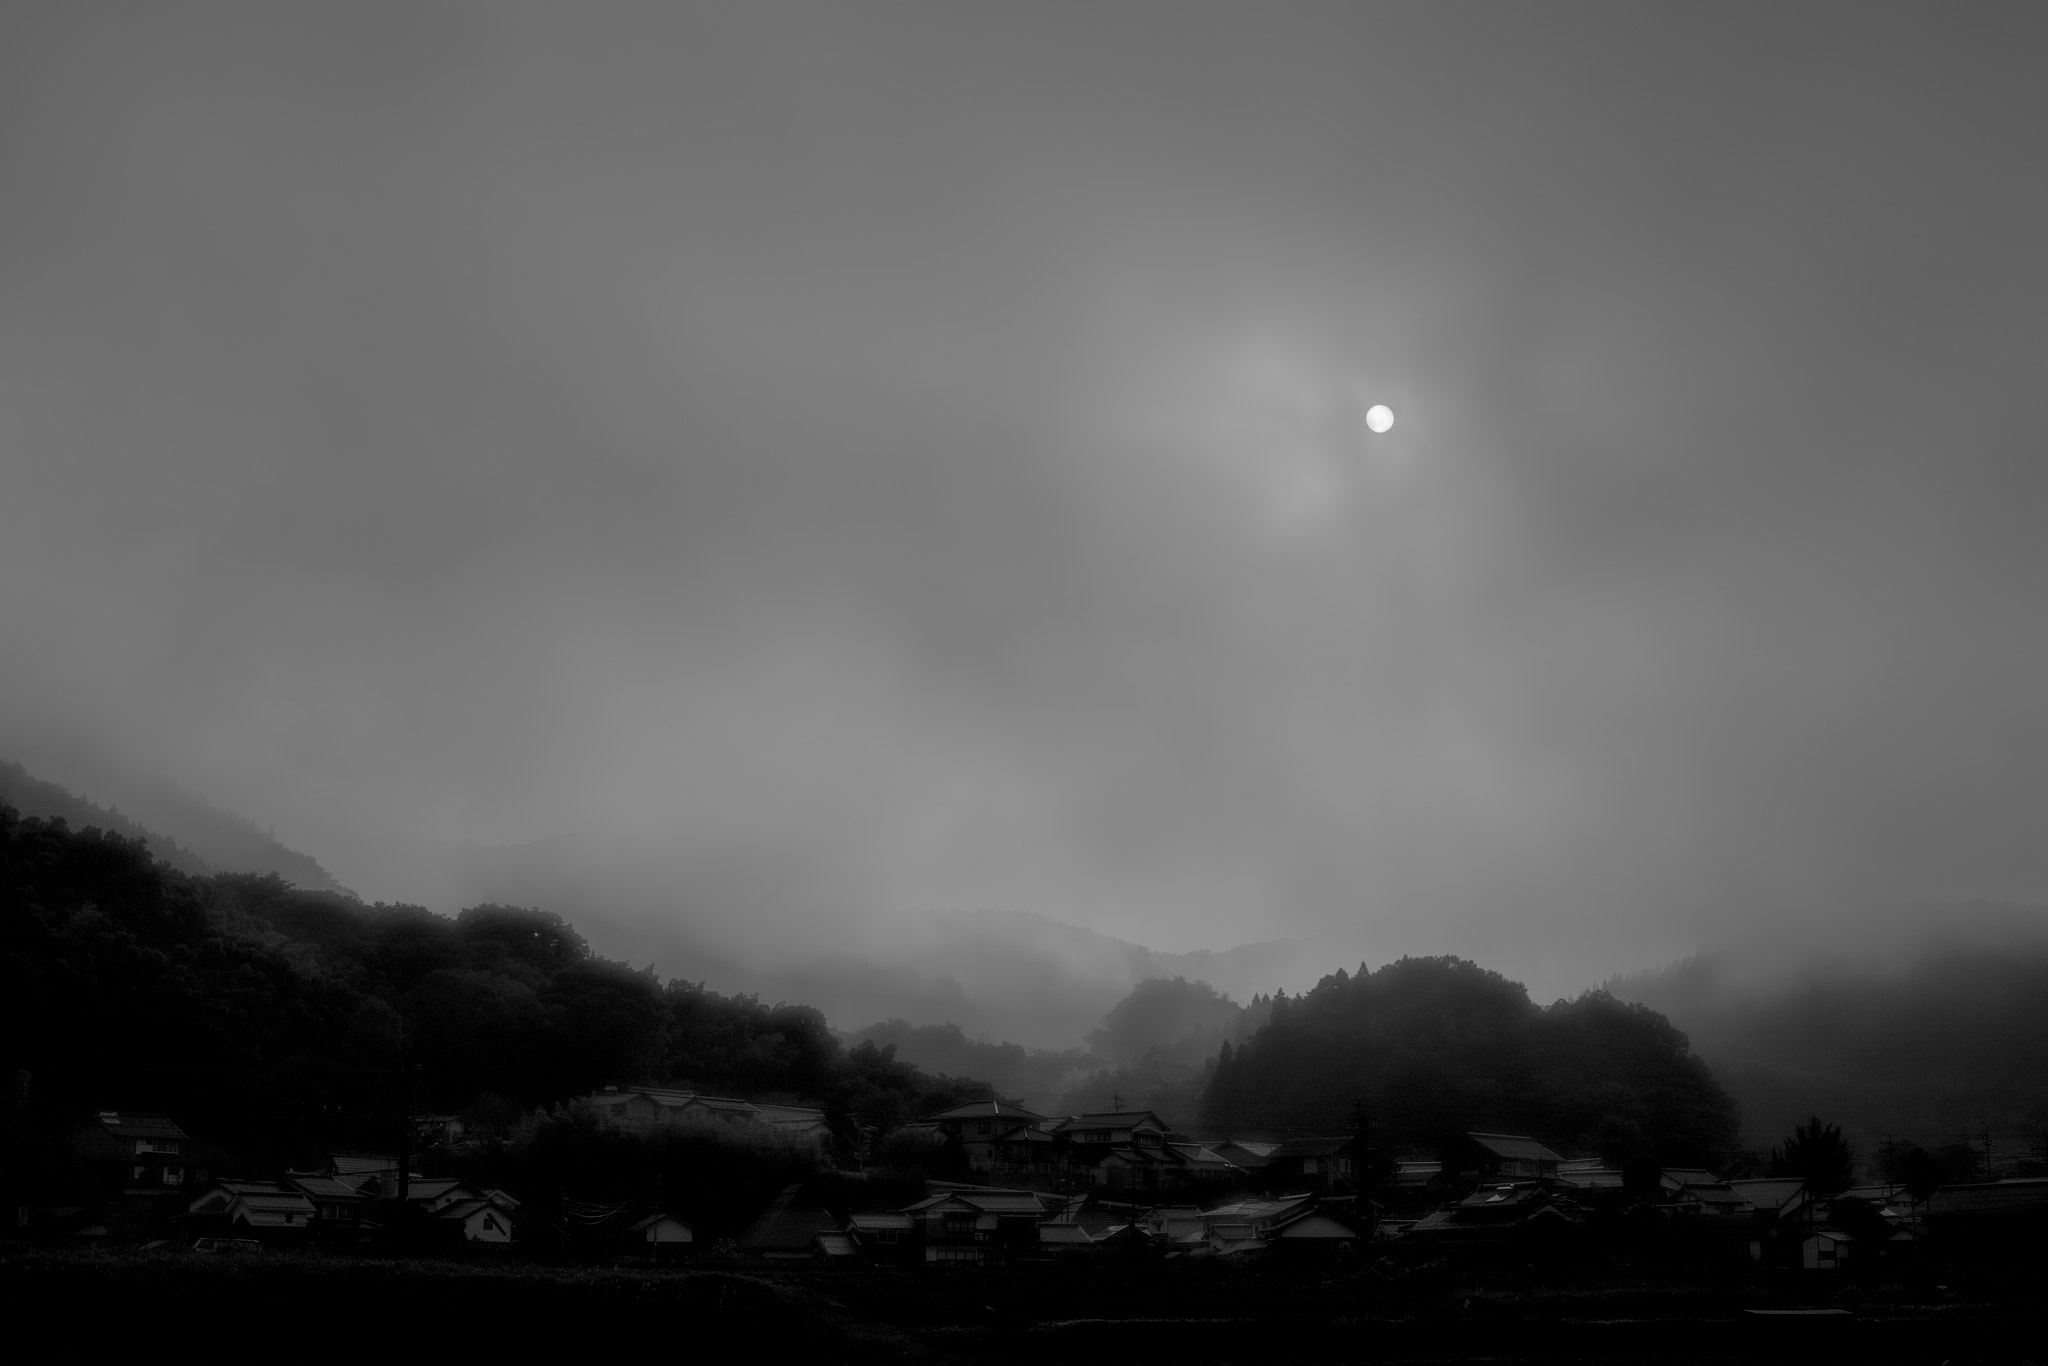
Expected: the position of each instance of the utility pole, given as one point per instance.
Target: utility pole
(405, 1073)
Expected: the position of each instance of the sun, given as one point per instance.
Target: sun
(1379, 417)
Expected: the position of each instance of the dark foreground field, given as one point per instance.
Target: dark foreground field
(86, 1305)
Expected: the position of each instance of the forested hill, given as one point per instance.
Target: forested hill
(270, 1018)
(185, 832)
(1949, 1041)
(1435, 1046)
(31, 796)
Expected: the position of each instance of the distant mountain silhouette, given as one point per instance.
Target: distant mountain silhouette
(185, 832)
(1012, 976)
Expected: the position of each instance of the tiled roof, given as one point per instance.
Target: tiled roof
(2024, 1196)
(1256, 1149)
(326, 1188)
(1198, 1156)
(835, 1245)
(1115, 1119)
(140, 1126)
(362, 1164)
(1067, 1234)
(276, 1202)
(987, 1202)
(1769, 1192)
(1024, 1133)
(1515, 1147)
(986, 1109)
(869, 1223)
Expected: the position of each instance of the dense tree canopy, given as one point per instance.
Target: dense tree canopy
(270, 1018)
(1433, 1046)
(1817, 1153)
(1169, 1013)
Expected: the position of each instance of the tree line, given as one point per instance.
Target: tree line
(272, 1020)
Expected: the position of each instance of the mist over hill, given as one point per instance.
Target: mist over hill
(1930, 1028)
(32, 796)
(187, 832)
(1005, 976)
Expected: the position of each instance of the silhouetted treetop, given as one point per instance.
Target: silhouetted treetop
(1438, 1045)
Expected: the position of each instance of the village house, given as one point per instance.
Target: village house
(1244, 1154)
(133, 1154)
(975, 1129)
(979, 1226)
(438, 1131)
(2001, 1222)
(886, 1238)
(787, 1231)
(1027, 1152)
(1115, 1128)
(1316, 1163)
(1291, 1226)
(664, 1237)
(1492, 1158)
(337, 1206)
(1517, 1219)
(268, 1211)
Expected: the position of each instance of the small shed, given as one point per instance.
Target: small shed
(664, 1237)
(1825, 1249)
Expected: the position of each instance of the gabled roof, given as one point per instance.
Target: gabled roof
(874, 1222)
(1115, 1119)
(1195, 1155)
(1260, 1212)
(1515, 1147)
(1770, 1192)
(1071, 1235)
(324, 1187)
(2023, 1196)
(983, 1202)
(127, 1125)
(1024, 1133)
(1678, 1178)
(433, 1188)
(987, 1109)
(835, 1245)
(277, 1202)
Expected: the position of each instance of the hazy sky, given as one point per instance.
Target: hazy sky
(904, 457)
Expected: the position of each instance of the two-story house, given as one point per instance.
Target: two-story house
(133, 1154)
(978, 1226)
(975, 1128)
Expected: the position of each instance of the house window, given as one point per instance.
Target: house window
(959, 1223)
(886, 1235)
